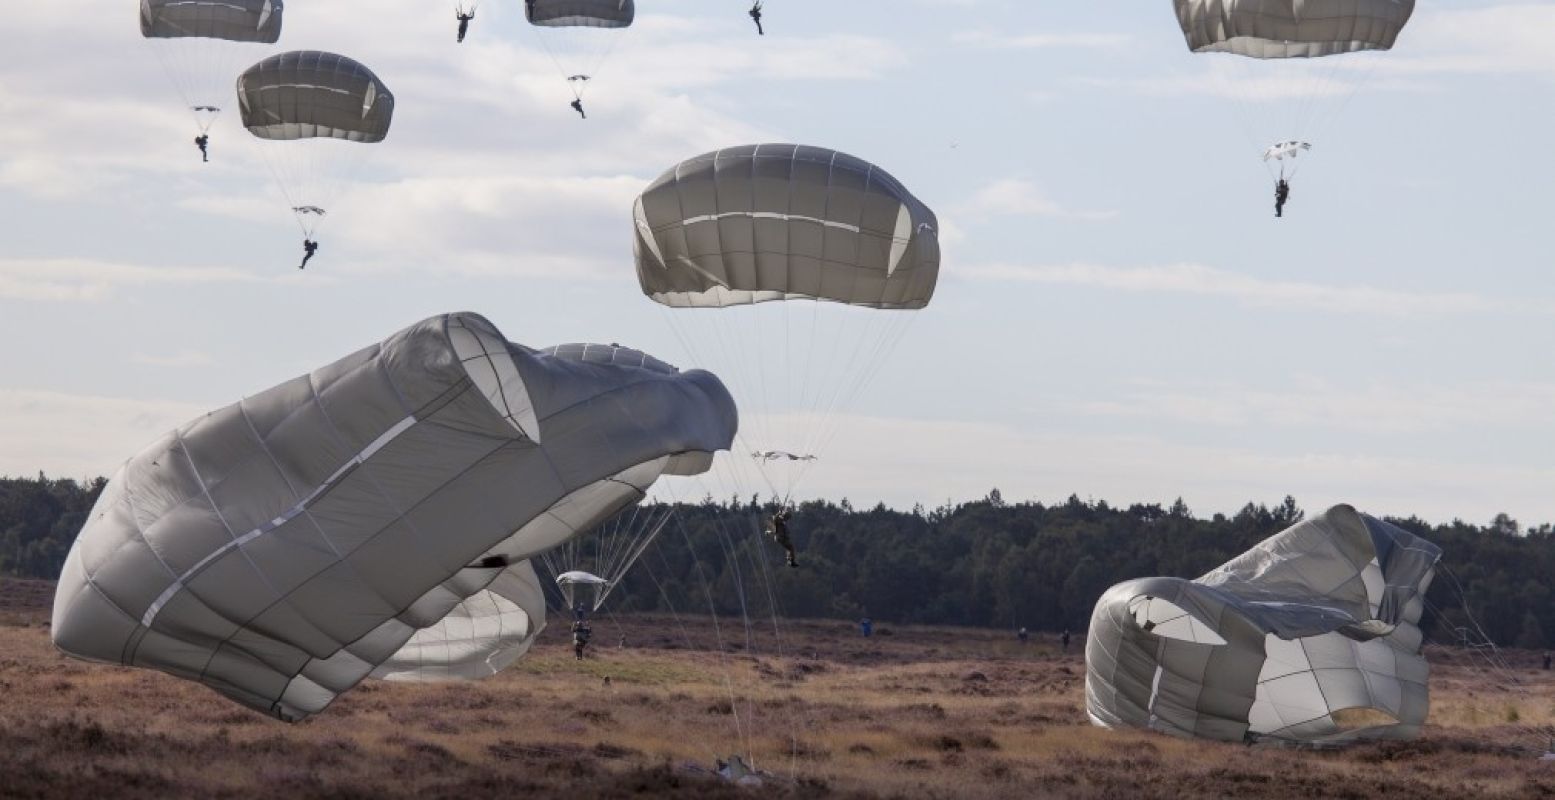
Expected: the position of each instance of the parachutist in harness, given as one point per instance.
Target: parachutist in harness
(577, 105)
(1281, 194)
(778, 530)
(464, 23)
(580, 637)
(309, 248)
(755, 13)
(202, 141)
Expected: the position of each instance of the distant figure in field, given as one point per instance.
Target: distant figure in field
(621, 643)
(607, 682)
(866, 626)
(1022, 635)
(1546, 662)
(580, 637)
(1065, 640)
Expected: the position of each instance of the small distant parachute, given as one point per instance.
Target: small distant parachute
(579, 35)
(1310, 637)
(375, 516)
(1285, 150)
(201, 44)
(304, 104)
(588, 586)
(1292, 63)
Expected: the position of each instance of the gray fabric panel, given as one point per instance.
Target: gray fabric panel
(306, 94)
(1291, 28)
(235, 20)
(766, 222)
(1304, 585)
(581, 13)
(275, 549)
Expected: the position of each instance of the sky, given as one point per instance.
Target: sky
(1119, 315)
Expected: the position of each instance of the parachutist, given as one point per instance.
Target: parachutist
(309, 248)
(755, 13)
(778, 530)
(580, 637)
(1281, 194)
(577, 105)
(464, 22)
(202, 141)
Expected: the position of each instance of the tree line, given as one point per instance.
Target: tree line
(984, 563)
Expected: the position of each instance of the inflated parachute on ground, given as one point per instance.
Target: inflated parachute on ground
(202, 42)
(281, 549)
(721, 236)
(1291, 28)
(1276, 644)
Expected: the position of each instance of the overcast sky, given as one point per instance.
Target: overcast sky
(1119, 314)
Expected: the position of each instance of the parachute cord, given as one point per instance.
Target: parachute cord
(734, 709)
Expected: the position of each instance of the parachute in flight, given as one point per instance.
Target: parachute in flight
(311, 109)
(792, 271)
(374, 516)
(202, 43)
(579, 35)
(1310, 637)
(1291, 65)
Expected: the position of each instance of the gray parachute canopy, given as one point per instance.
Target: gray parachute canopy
(234, 20)
(781, 221)
(282, 548)
(1275, 644)
(581, 13)
(1291, 28)
(306, 94)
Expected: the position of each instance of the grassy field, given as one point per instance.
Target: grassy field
(912, 712)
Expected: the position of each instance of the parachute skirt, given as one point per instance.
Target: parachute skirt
(1309, 638)
(283, 548)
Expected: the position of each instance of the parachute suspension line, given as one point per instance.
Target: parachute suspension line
(742, 732)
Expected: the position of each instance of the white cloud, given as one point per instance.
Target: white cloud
(1197, 279)
(1019, 198)
(1319, 404)
(178, 360)
(1041, 41)
(73, 435)
(79, 279)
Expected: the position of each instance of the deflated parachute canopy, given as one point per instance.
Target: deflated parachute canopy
(781, 221)
(376, 514)
(1291, 28)
(1280, 643)
(309, 94)
(234, 20)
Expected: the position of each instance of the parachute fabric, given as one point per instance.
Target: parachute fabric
(1279, 644)
(201, 44)
(282, 548)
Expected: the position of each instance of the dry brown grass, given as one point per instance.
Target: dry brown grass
(922, 712)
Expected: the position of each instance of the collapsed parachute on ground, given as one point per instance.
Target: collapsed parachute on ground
(202, 42)
(376, 514)
(1311, 636)
(1291, 28)
(736, 241)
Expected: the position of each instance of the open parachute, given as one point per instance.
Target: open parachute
(201, 44)
(375, 516)
(311, 110)
(792, 271)
(1310, 637)
(579, 35)
(1291, 65)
